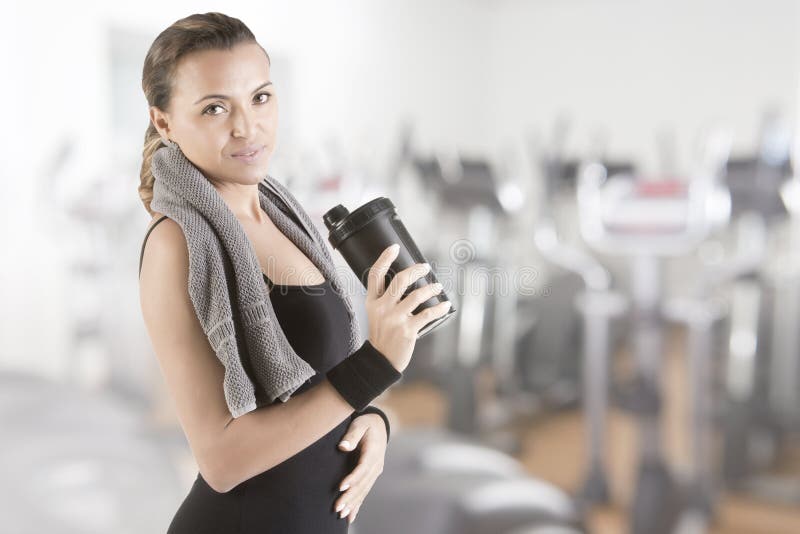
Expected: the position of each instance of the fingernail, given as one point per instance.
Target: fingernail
(426, 266)
(339, 508)
(344, 512)
(345, 444)
(437, 286)
(342, 488)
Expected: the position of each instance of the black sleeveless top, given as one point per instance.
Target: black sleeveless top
(298, 495)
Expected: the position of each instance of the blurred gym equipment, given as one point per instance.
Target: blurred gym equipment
(762, 373)
(646, 221)
(481, 341)
(449, 480)
(81, 451)
(597, 303)
(82, 463)
(435, 482)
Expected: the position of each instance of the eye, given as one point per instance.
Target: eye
(212, 106)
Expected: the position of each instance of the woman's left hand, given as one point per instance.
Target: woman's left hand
(368, 434)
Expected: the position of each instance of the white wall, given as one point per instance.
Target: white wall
(631, 67)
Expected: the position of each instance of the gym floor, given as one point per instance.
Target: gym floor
(551, 445)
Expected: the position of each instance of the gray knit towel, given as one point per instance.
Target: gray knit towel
(226, 285)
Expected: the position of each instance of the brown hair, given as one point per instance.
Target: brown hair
(208, 31)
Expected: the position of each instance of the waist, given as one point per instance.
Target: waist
(321, 461)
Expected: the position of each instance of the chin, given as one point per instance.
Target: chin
(251, 174)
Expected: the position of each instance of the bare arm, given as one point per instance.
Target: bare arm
(227, 451)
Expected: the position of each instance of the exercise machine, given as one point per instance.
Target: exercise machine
(646, 221)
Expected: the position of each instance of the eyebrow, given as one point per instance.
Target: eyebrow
(226, 97)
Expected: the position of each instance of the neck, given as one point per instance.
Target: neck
(243, 201)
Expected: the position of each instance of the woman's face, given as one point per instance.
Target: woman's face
(223, 103)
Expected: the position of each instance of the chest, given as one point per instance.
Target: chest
(279, 257)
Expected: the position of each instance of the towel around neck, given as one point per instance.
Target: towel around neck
(226, 285)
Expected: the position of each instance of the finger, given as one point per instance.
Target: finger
(353, 435)
(352, 515)
(429, 314)
(418, 296)
(361, 490)
(355, 475)
(377, 438)
(405, 278)
(343, 503)
(356, 495)
(358, 503)
(374, 435)
(346, 500)
(345, 511)
(349, 500)
(377, 273)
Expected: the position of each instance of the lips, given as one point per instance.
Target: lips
(248, 150)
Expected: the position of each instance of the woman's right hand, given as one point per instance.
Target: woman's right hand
(393, 328)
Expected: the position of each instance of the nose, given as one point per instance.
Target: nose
(244, 123)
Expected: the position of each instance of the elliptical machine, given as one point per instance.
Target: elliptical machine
(762, 372)
(440, 481)
(473, 361)
(647, 221)
(597, 305)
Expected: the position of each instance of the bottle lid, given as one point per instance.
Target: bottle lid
(334, 216)
(342, 225)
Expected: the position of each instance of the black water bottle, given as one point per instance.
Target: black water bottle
(363, 235)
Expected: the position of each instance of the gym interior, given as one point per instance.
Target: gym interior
(608, 191)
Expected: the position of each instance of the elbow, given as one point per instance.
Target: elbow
(217, 483)
(217, 479)
(216, 470)
(226, 459)
(214, 476)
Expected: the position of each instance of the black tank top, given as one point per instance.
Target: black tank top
(296, 496)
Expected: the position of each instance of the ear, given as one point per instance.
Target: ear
(160, 120)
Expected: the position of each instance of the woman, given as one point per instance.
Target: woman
(299, 466)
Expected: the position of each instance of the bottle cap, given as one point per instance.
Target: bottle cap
(343, 225)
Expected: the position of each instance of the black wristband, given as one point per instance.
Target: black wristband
(363, 375)
(378, 411)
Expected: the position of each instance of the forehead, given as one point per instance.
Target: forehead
(233, 71)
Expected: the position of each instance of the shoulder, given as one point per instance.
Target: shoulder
(157, 220)
(163, 229)
(164, 247)
(164, 273)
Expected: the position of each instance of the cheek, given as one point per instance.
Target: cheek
(271, 115)
(209, 148)
(271, 125)
(204, 133)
